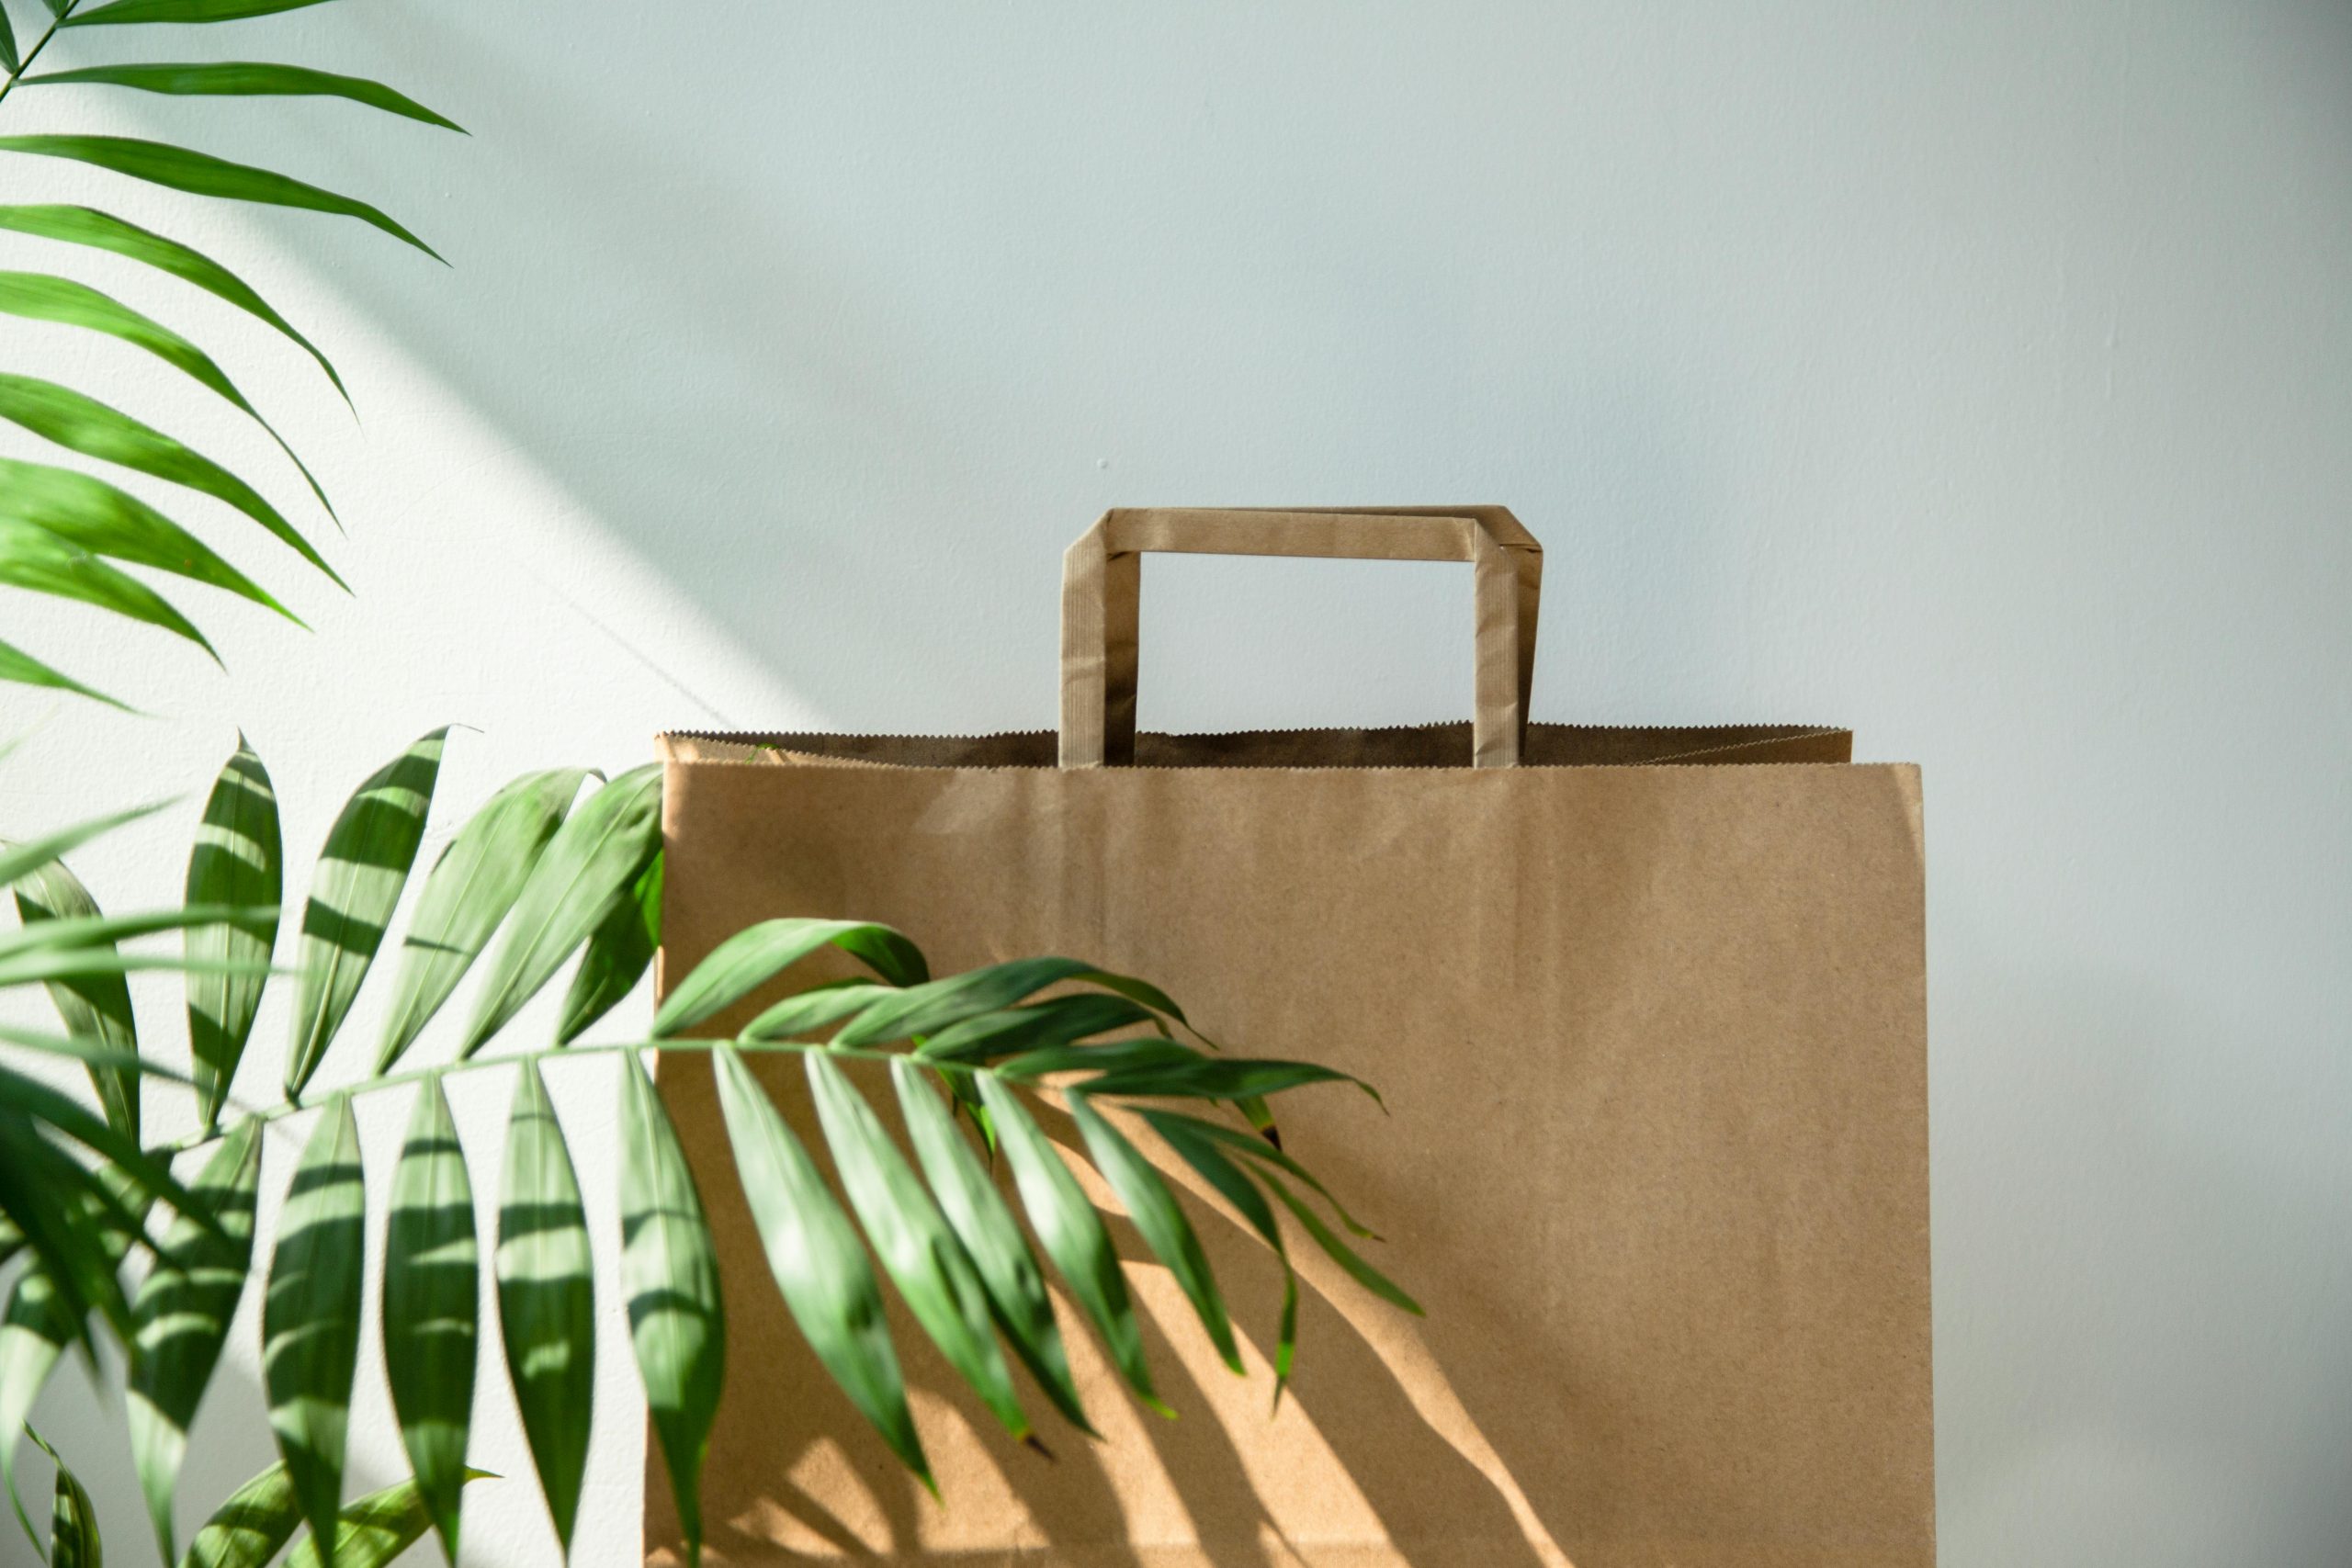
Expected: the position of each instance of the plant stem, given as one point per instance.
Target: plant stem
(39, 43)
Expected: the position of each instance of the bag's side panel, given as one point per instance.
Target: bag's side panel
(1654, 1044)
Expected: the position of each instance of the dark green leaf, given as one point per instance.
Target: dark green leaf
(247, 1530)
(670, 1272)
(619, 952)
(94, 515)
(1059, 1020)
(39, 562)
(815, 1008)
(1016, 1286)
(373, 1530)
(237, 860)
(181, 1319)
(8, 58)
(94, 1007)
(244, 78)
(1235, 1187)
(73, 1522)
(22, 669)
(927, 1009)
(1363, 1273)
(310, 1323)
(1072, 1234)
(200, 174)
(1121, 1056)
(910, 1235)
(546, 1304)
(1259, 1149)
(352, 892)
(140, 1172)
(820, 1269)
(125, 12)
(594, 861)
(1158, 1220)
(41, 298)
(431, 1284)
(471, 887)
(34, 1331)
(1217, 1077)
(103, 231)
(754, 956)
(90, 428)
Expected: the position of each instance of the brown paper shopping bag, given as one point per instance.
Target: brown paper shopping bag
(1647, 1007)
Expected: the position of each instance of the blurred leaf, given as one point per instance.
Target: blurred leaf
(594, 861)
(123, 12)
(820, 1269)
(619, 952)
(310, 1323)
(17, 861)
(73, 1522)
(752, 957)
(991, 1238)
(136, 1170)
(431, 1286)
(103, 231)
(8, 57)
(247, 1530)
(181, 1319)
(90, 1053)
(237, 859)
(39, 562)
(670, 1271)
(94, 1007)
(374, 1530)
(92, 515)
(547, 1298)
(1157, 1217)
(90, 428)
(921, 1253)
(24, 670)
(814, 1008)
(200, 174)
(469, 890)
(42, 298)
(1072, 1235)
(34, 1329)
(352, 892)
(244, 78)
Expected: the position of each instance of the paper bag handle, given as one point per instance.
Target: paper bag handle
(1102, 579)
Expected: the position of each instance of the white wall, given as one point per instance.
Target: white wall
(1979, 375)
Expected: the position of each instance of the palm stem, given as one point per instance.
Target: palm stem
(39, 43)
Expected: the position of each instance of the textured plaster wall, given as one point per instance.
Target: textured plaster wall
(1979, 375)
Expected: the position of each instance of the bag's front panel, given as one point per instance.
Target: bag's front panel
(1653, 1044)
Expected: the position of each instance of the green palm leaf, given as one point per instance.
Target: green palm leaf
(123, 13)
(594, 861)
(1057, 1020)
(373, 1530)
(546, 1306)
(310, 1323)
(921, 1254)
(105, 231)
(181, 1319)
(431, 1284)
(619, 952)
(670, 1271)
(88, 512)
(237, 860)
(926, 1009)
(1347, 1258)
(38, 560)
(94, 1007)
(1072, 1235)
(200, 174)
(8, 60)
(752, 957)
(18, 860)
(1158, 1220)
(246, 78)
(991, 1238)
(90, 428)
(352, 892)
(247, 1530)
(1234, 1186)
(41, 298)
(816, 1008)
(467, 893)
(22, 669)
(1258, 1149)
(34, 1329)
(73, 1522)
(819, 1268)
